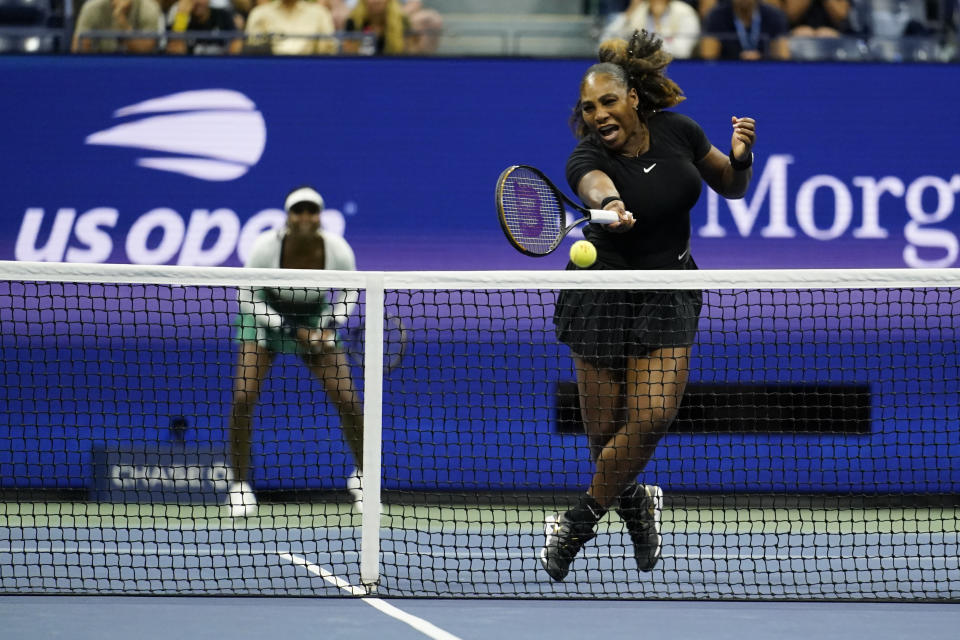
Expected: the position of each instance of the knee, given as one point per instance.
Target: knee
(654, 422)
(663, 418)
(346, 403)
(243, 402)
(598, 441)
(339, 397)
(352, 408)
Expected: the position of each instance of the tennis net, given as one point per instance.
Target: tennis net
(815, 455)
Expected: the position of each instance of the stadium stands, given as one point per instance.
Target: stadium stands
(517, 27)
(25, 26)
(888, 30)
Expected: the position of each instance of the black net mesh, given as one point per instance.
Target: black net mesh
(814, 454)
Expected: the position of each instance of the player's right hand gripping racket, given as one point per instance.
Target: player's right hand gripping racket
(532, 211)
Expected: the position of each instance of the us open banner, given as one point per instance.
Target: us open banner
(184, 161)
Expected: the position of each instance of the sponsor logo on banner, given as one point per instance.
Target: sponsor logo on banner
(927, 200)
(218, 133)
(181, 241)
(160, 474)
(212, 135)
(159, 236)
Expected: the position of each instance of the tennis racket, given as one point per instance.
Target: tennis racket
(396, 337)
(533, 212)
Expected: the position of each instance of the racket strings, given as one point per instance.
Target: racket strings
(532, 212)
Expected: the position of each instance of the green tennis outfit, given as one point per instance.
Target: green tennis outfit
(266, 313)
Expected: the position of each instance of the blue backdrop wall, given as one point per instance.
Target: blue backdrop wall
(184, 161)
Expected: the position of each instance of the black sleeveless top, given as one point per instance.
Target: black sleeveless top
(659, 188)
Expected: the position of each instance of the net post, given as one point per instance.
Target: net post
(372, 432)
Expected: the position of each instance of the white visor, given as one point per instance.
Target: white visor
(305, 194)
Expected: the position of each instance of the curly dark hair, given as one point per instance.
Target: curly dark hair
(638, 64)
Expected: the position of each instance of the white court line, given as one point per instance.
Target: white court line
(426, 628)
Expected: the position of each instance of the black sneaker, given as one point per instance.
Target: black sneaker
(641, 512)
(565, 538)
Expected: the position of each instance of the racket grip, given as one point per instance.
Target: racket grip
(602, 216)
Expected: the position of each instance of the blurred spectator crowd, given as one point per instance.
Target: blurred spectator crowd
(785, 29)
(708, 29)
(197, 27)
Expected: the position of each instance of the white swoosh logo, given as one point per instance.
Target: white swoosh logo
(219, 132)
(650, 168)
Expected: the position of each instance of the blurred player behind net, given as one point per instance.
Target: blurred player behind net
(300, 321)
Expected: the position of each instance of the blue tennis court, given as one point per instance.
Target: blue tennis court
(160, 618)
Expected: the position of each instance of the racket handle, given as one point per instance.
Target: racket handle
(602, 216)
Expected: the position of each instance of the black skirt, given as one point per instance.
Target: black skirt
(605, 327)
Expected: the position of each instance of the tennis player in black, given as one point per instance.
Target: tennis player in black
(632, 348)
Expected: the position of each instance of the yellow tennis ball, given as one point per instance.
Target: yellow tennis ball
(583, 253)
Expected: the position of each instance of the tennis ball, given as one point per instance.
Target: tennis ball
(583, 253)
